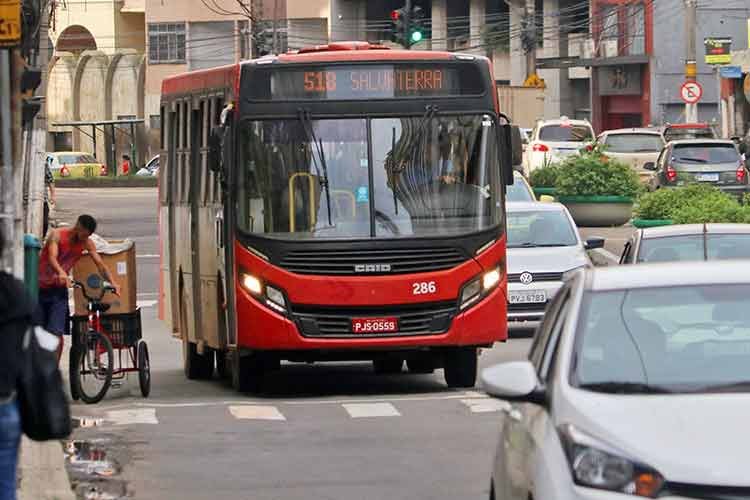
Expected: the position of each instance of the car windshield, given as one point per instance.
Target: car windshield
(705, 153)
(539, 228)
(680, 248)
(565, 133)
(519, 191)
(634, 143)
(360, 178)
(679, 339)
(73, 159)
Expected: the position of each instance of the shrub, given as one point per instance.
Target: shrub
(545, 176)
(692, 204)
(592, 174)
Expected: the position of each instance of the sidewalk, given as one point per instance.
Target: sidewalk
(41, 466)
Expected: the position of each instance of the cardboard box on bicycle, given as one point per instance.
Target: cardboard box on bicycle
(119, 256)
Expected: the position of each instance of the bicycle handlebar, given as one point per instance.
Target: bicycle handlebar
(107, 287)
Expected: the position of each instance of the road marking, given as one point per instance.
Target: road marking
(148, 294)
(132, 417)
(367, 410)
(484, 405)
(256, 412)
(147, 256)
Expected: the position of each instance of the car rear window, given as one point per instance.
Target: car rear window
(565, 133)
(705, 153)
(634, 143)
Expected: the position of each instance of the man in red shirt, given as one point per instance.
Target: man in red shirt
(62, 250)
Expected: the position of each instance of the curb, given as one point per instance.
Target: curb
(130, 182)
(42, 474)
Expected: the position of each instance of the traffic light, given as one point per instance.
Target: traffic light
(398, 27)
(416, 25)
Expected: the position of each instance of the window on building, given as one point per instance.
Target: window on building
(636, 39)
(166, 43)
(154, 122)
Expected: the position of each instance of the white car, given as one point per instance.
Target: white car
(634, 147)
(554, 140)
(543, 244)
(637, 385)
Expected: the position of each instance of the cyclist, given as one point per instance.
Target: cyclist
(62, 250)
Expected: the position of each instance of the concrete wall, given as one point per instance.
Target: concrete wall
(59, 93)
(98, 17)
(724, 18)
(88, 100)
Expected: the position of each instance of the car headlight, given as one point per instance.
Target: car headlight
(479, 287)
(267, 294)
(595, 464)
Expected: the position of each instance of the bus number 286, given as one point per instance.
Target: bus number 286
(424, 287)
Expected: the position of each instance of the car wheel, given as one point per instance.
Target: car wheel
(387, 366)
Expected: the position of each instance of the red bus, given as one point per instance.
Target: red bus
(344, 202)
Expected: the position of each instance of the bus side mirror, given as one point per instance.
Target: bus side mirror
(517, 144)
(505, 140)
(214, 150)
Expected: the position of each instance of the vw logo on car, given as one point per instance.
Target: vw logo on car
(526, 278)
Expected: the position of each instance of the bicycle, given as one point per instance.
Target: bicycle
(96, 338)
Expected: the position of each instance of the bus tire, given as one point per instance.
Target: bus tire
(461, 367)
(222, 365)
(423, 365)
(247, 372)
(387, 366)
(197, 366)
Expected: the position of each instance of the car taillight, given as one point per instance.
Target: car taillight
(540, 148)
(671, 173)
(102, 170)
(741, 173)
(64, 172)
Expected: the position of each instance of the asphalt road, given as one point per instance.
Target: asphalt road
(333, 431)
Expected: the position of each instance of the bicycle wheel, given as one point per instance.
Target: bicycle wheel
(144, 368)
(92, 372)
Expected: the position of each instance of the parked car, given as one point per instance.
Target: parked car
(681, 131)
(688, 242)
(151, 168)
(519, 190)
(554, 140)
(74, 164)
(636, 380)
(633, 146)
(543, 244)
(716, 162)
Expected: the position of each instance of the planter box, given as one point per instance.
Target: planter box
(599, 211)
(541, 191)
(646, 223)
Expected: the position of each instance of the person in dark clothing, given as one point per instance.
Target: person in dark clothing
(16, 315)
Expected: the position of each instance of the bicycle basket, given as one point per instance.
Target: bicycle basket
(122, 329)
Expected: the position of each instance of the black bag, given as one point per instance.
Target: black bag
(45, 414)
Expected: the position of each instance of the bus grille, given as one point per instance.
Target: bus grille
(371, 261)
(419, 319)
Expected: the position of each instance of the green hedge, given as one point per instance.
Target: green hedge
(593, 174)
(692, 204)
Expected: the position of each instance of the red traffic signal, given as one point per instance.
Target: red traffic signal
(396, 15)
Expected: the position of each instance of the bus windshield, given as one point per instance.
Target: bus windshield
(358, 178)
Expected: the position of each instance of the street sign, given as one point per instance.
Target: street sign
(730, 72)
(718, 50)
(691, 92)
(10, 23)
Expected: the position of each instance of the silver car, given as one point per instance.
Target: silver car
(637, 384)
(543, 244)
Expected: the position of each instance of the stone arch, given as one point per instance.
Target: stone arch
(121, 96)
(60, 91)
(89, 102)
(75, 39)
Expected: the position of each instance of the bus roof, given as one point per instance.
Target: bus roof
(227, 76)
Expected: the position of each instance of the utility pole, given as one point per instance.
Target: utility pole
(275, 26)
(691, 71)
(530, 15)
(407, 23)
(7, 189)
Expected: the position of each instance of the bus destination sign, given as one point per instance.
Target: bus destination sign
(373, 82)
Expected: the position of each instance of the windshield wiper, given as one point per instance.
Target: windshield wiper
(530, 244)
(613, 387)
(304, 118)
(740, 386)
(695, 160)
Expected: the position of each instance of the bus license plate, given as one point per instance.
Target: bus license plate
(374, 325)
(528, 297)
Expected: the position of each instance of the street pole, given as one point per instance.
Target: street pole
(7, 190)
(407, 24)
(275, 26)
(530, 14)
(691, 72)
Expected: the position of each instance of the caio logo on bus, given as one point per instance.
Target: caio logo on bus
(372, 268)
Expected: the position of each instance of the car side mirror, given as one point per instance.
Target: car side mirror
(594, 243)
(513, 381)
(649, 166)
(516, 144)
(214, 149)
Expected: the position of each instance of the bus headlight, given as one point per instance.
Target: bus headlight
(491, 279)
(252, 284)
(479, 287)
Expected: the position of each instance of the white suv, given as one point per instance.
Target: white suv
(553, 140)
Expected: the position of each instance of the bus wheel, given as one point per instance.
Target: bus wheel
(247, 372)
(421, 365)
(461, 367)
(197, 366)
(222, 365)
(387, 366)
